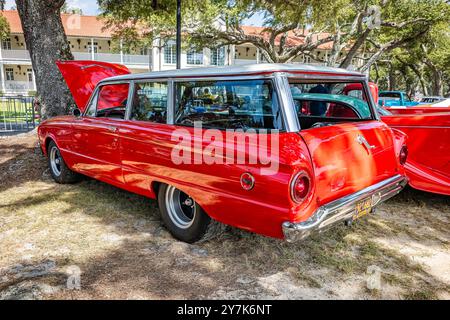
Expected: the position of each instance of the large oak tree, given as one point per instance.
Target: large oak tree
(47, 43)
(375, 27)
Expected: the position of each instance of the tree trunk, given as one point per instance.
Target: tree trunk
(392, 78)
(47, 43)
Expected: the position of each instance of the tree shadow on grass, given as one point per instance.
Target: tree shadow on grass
(146, 262)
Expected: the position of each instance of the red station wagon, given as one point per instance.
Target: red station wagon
(230, 145)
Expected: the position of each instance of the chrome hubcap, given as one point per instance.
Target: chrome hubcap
(180, 207)
(55, 161)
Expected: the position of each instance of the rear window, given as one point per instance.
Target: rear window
(326, 103)
(246, 104)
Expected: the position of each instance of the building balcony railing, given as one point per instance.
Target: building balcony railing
(19, 86)
(15, 55)
(240, 62)
(130, 59)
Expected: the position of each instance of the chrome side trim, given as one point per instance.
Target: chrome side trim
(291, 122)
(343, 209)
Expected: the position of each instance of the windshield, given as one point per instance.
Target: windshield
(325, 103)
(384, 96)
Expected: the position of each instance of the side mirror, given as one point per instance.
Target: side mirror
(76, 112)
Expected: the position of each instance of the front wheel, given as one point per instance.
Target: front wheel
(58, 168)
(184, 218)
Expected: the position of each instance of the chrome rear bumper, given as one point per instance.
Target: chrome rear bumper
(343, 209)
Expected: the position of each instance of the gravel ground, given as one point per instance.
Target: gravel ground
(93, 241)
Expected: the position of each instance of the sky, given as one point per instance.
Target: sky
(90, 7)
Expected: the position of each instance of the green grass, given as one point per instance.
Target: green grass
(12, 113)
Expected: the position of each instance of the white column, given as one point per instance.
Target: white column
(155, 56)
(230, 56)
(92, 49)
(2, 72)
(257, 55)
(206, 57)
(121, 51)
(34, 79)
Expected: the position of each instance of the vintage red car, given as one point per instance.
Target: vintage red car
(428, 130)
(421, 109)
(329, 162)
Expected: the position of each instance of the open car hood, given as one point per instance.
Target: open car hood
(83, 76)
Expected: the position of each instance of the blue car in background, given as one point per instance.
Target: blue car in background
(396, 99)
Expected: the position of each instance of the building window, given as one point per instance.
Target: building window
(170, 52)
(194, 57)
(9, 74)
(305, 59)
(218, 56)
(6, 44)
(30, 75)
(95, 47)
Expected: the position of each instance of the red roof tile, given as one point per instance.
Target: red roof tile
(75, 26)
(93, 26)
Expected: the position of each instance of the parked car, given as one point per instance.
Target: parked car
(395, 99)
(329, 167)
(428, 164)
(431, 100)
(442, 104)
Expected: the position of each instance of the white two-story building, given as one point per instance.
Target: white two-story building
(89, 40)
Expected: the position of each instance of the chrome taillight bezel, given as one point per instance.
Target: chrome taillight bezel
(300, 175)
(403, 159)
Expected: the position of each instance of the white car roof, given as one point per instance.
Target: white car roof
(251, 69)
(445, 103)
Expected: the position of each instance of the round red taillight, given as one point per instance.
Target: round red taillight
(300, 187)
(403, 155)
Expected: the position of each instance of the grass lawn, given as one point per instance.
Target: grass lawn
(117, 242)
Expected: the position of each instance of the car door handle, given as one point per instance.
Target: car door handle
(112, 129)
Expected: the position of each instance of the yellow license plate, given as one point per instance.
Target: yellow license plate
(363, 208)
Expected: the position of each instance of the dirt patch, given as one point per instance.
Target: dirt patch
(93, 241)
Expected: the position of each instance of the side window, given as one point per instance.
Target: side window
(92, 107)
(150, 102)
(112, 101)
(246, 104)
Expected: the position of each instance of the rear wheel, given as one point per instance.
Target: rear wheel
(58, 168)
(184, 218)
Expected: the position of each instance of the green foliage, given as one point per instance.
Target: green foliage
(4, 28)
(419, 26)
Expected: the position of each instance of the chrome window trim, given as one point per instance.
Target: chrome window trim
(131, 97)
(270, 77)
(91, 98)
(171, 103)
(291, 121)
(130, 100)
(325, 77)
(363, 80)
(95, 95)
